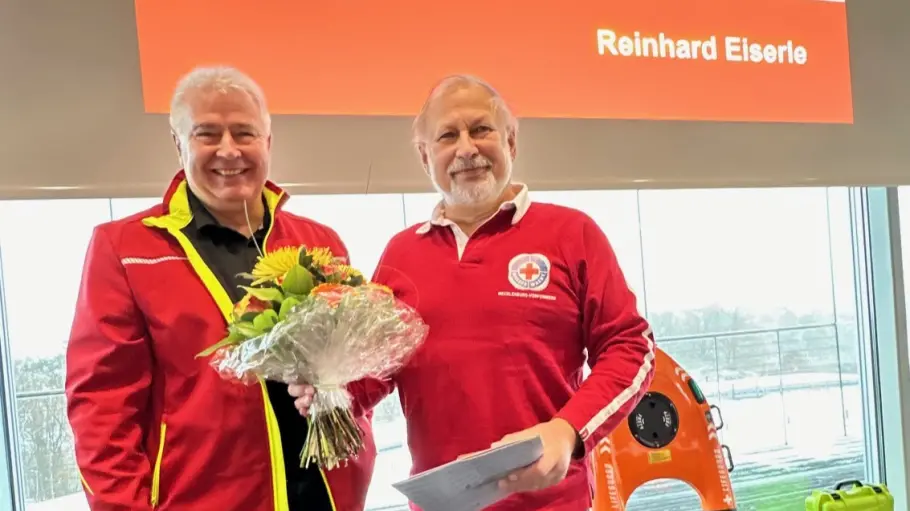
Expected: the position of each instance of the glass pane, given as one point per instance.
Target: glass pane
(121, 208)
(364, 222)
(616, 212)
(393, 461)
(752, 292)
(41, 280)
(845, 300)
(418, 207)
(40, 316)
(50, 479)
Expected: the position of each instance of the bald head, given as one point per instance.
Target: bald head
(451, 85)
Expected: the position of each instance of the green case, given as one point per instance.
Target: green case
(851, 496)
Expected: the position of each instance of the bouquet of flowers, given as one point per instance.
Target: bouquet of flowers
(308, 318)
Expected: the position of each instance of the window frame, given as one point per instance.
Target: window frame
(11, 495)
(881, 309)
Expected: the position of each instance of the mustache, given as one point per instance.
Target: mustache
(462, 164)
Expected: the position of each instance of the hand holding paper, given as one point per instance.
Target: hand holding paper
(470, 483)
(559, 441)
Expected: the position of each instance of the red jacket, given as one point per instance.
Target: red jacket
(511, 314)
(155, 427)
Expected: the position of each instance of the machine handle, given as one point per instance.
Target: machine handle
(851, 483)
(720, 418)
(729, 457)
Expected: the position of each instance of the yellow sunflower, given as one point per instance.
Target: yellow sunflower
(347, 272)
(275, 265)
(321, 257)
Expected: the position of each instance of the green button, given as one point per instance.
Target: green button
(696, 391)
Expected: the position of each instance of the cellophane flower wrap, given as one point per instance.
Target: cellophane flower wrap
(306, 317)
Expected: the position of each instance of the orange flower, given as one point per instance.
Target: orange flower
(380, 287)
(330, 292)
(257, 305)
(325, 288)
(250, 303)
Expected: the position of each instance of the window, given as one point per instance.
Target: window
(616, 212)
(904, 218)
(41, 274)
(418, 207)
(364, 222)
(752, 291)
(121, 208)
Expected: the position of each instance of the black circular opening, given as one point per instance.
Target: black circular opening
(655, 421)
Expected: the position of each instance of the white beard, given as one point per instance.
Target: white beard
(475, 192)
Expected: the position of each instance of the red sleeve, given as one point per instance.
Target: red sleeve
(367, 393)
(618, 340)
(334, 243)
(108, 377)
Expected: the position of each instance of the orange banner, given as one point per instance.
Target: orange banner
(724, 60)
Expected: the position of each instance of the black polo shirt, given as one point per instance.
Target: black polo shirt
(229, 253)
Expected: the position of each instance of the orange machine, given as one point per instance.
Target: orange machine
(671, 434)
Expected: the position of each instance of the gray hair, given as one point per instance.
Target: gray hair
(454, 82)
(218, 78)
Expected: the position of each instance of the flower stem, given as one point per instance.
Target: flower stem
(332, 439)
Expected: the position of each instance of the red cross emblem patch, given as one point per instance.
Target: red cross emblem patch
(529, 272)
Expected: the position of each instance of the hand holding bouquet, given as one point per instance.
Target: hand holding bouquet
(308, 318)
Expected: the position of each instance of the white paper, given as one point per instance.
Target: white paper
(471, 483)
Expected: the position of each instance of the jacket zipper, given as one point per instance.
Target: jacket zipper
(156, 472)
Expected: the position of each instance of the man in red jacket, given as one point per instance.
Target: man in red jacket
(155, 427)
(518, 295)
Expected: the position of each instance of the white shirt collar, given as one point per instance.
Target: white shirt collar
(520, 204)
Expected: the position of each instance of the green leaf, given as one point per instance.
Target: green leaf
(298, 281)
(267, 294)
(304, 259)
(245, 329)
(356, 280)
(230, 340)
(286, 307)
(247, 276)
(266, 320)
(249, 316)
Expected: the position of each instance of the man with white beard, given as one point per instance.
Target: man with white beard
(516, 294)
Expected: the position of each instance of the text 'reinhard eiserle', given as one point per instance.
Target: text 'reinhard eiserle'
(711, 48)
